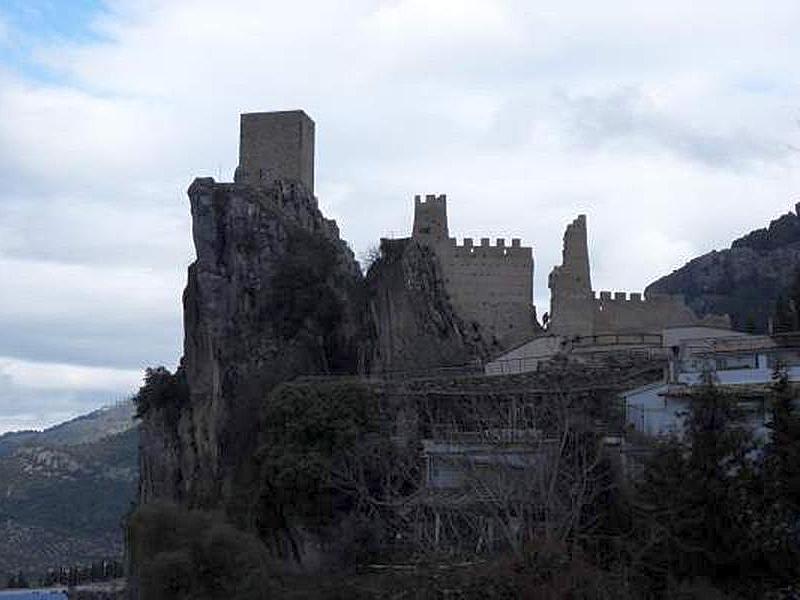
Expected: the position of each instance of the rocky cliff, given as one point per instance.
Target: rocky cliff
(275, 293)
(413, 324)
(744, 280)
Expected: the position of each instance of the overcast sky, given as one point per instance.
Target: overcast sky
(672, 125)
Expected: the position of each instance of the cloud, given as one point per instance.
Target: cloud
(629, 121)
(38, 395)
(670, 125)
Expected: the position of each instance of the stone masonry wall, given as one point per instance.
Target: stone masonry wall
(490, 285)
(276, 146)
(578, 311)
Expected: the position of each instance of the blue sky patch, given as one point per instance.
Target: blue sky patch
(32, 23)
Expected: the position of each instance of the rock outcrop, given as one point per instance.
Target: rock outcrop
(274, 293)
(743, 281)
(413, 323)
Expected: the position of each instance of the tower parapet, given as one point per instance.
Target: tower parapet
(430, 217)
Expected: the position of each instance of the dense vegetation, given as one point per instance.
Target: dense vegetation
(713, 515)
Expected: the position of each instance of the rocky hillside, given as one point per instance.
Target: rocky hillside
(84, 429)
(275, 294)
(744, 280)
(65, 491)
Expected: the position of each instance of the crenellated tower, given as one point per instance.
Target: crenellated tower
(430, 218)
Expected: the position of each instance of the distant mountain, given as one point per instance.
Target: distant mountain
(744, 280)
(64, 491)
(80, 430)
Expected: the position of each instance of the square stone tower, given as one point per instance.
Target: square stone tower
(276, 145)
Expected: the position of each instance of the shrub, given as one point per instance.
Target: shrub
(192, 555)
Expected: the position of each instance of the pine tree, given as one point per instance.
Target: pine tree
(783, 451)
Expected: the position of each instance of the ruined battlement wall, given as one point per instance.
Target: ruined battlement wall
(636, 313)
(577, 310)
(489, 284)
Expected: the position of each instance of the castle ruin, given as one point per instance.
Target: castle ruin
(577, 311)
(489, 285)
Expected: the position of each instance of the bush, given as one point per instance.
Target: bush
(161, 389)
(192, 555)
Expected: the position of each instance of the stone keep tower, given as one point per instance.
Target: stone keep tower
(276, 145)
(430, 218)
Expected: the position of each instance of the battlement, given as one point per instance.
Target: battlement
(431, 199)
(430, 217)
(619, 297)
(487, 250)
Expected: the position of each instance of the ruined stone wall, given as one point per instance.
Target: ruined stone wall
(578, 311)
(571, 301)
(276, 146)
(492, 285)
(488, 285)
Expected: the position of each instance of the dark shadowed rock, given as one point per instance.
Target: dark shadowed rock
(414, 323)
(745, 280)
(274, 293)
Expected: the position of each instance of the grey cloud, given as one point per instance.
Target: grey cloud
(25, 408)
(625, 119)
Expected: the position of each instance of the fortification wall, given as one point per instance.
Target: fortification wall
(492, 285)
(578, 311)
(489, 284)
(622, 313)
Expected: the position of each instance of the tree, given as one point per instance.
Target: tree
(696, 501)
(782, 454)
(787, 308)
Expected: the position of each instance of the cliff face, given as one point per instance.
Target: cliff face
(273, 293)
(414, 325)
(745, 280)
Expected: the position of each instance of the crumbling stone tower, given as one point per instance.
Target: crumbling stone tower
(576, 311)
(276, 146)
(571, 296)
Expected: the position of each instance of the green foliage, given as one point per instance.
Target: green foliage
(326, 457)
(702, 511)
(787, 309)
(161, 389)
(193, 555)
(782, 454)
(303, 299)
(310, 431)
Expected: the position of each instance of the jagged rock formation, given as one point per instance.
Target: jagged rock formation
(274, 293)
(414, 325)
(745, 280)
